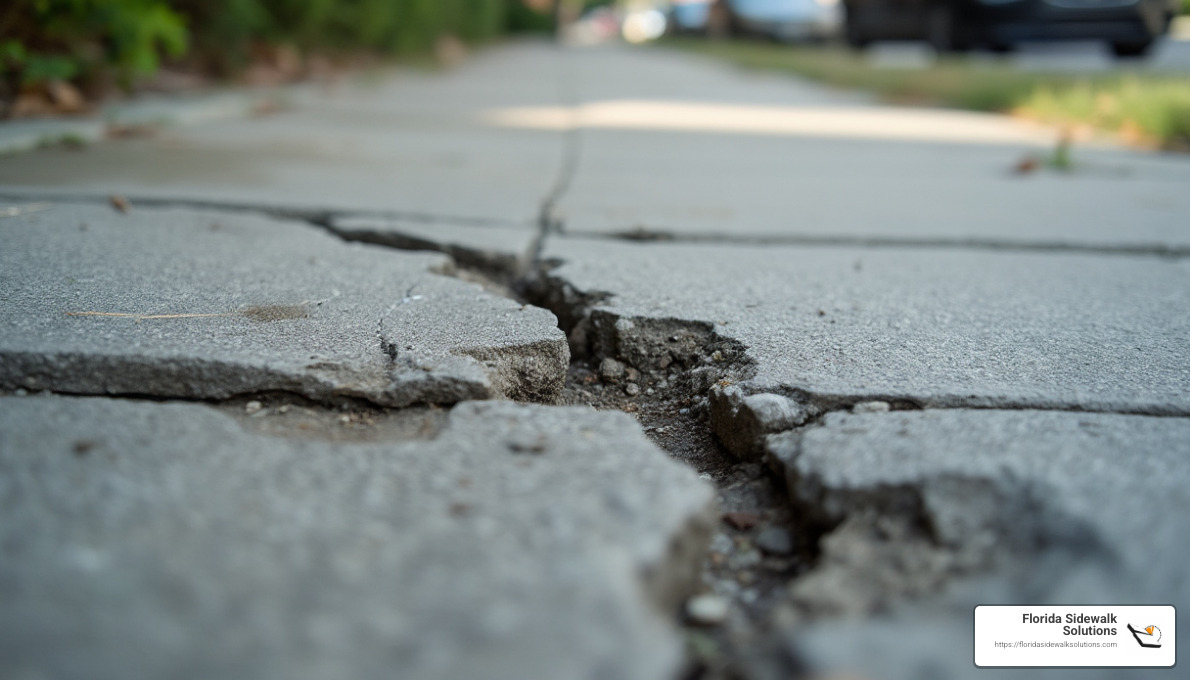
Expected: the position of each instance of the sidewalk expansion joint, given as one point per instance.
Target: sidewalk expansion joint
(317, 216)
(648, 235)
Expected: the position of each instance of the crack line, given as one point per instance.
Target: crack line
(662, 236)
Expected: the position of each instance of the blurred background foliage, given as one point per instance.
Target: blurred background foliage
(98, 44)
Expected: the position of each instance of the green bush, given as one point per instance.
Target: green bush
(101, 41)
(227, 28)
(65, 39)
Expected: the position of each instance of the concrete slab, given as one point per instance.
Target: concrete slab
(678, 145)
(738, 187)
(1068, 507)
(410, 143)
(937, 327)
(168, 540)
(192, 304)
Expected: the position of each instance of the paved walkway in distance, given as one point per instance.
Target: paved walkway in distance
(910, 381)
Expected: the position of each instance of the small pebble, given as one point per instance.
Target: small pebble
(707, 610)
(284, 409)
(610, 369)
(649, 391)
(775, 541)
(717, 356)
(871, 407)
(683, 411)
(632, 389)
(345, 419)
(252, 407)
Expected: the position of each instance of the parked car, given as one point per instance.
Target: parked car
(785, 20)
(1130, 26)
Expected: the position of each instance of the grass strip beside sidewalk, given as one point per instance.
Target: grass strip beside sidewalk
(1148, 109)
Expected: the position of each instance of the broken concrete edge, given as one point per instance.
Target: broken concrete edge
(912, 539)
(906, 528)
(532, 372)
(668, 571)
(653, 565)
(496, 376)
(743, 410)
(745, 414)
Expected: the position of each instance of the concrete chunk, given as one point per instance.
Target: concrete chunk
(193, 304)
(935, 512)
(522, 542)
(931, 327)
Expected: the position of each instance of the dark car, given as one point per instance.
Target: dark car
(1130, 26)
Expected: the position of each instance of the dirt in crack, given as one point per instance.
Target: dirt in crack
(755, 552)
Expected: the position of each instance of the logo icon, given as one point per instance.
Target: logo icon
(1149, 636)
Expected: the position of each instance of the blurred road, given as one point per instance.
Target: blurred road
(972, 383)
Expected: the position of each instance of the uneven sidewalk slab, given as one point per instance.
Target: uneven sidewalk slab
(1066, 507)
(831, 326)
(678, 146)
(521, 542)
(738, 187)
(207, 305)
(411, 142)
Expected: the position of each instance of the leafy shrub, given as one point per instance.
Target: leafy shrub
(63, 39)
(99, 42)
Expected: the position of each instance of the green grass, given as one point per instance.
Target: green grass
(1143, 108)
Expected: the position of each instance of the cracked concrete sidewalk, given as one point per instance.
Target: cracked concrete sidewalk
(928, 372)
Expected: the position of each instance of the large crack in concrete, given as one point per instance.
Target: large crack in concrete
(791, 549)
(787, 549)
(296, 407)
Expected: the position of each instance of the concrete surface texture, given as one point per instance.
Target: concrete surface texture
(1103, 492)
(410, 143)
(169, 540)
(938, 327)
(916, 380)
(182, 303)
(843, 175)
